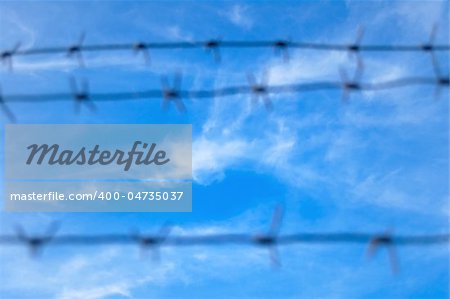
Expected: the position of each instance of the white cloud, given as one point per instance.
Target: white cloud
(96, 292)
(319, 149)
(212, 157)
(177, 33)
(238, 15)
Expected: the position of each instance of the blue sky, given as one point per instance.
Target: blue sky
(379, 162)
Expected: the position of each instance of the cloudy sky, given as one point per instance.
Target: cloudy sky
(379, 162)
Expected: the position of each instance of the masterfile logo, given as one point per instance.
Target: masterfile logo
(53, 155)
(98, 168)
(82, 152)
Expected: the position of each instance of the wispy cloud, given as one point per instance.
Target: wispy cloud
(239, 15)
(231, 138)
(15, 28)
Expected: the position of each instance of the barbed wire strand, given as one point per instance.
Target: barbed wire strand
(281, 47)
(176, 95)
(211, 44)
(270, 240)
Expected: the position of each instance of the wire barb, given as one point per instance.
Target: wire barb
(354, 50)
(429, 46)
(213, 46)
(353, 84)
(441, 79)
(281, 48)
(81, 96)
(152, 242)
(172, 94)
(36, 243)
(76, 49)
(7, 56)
(260, 90)
(141, 47)
(384, 240)
(270, 239)
(8, 113)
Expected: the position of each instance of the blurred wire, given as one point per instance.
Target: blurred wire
(271, 239)
(213, 46)
(257, 90)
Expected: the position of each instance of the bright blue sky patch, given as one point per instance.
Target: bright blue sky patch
(380, 162)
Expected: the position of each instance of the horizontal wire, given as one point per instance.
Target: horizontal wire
(233, 44)
(270, 240)
(218, 239)
(229, 91)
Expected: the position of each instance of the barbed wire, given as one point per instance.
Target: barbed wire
(271, 240)
(281, 47)
(258, 90)
(81, 95)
